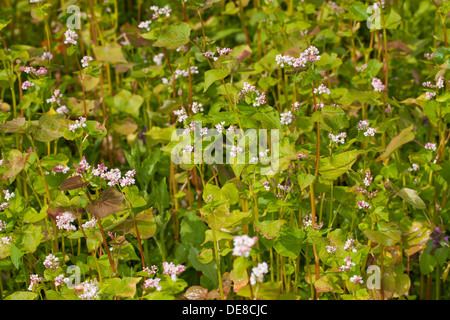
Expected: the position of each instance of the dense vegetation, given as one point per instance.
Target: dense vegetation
(344, 198)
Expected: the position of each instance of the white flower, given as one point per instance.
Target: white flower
(286, 118)
(235, 150)
(258, 273)
(51, 262)
(220, 126)
(62, 110)
(322, 89)
(414, 167)
(158, 59)
(430, 146)
(47, 55)
(85, 61)
(172, 269)
(89, 224)
(145, 25)
(378, 86)
(90, 290)
(356, 279)
(64, 221)
(242, 245)
(70, 37)
(196, 107)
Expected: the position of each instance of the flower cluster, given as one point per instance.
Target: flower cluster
(430, 146)
(160, 11)
(339, 138)
(81, 122)
(172, 269)
(51, 262)
(40, 72)
(348, 266)
(258, 273)
(7, 196)
(64, 221)
(331, 249)
(145, 25)
(71, 37)
(89, 224)
(365, 125)
(322, 89)
(6, 240)
(307, 222)
(356, 279)
(349, 245)
(377, 85)
(286, 117)
(363, 205)
(196, 107)
(242, 245)
(158, 59)
(90, 290)
(61, 168)
(220, 51)
(85, 61)
(309, 55)
(251, 95)
(152, 283)
(34, 281)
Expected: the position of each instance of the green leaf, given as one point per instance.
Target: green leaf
(269, 229)
(411, 196)
(174, 36)
(427, 263)
(358, 11)
(111, 52)
(405, 136)
(288, 242)
(441, 255)
(333, 167)
(22, 295)
(305, 180)
(145, 222)
(72, 183)
(122, 288)
(388, 234)
(213, 75)
(15, 254)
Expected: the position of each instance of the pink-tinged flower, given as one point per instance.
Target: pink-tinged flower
(62, 110)
(160, 11)
(363, 125)
(2, 225)
(356, 279)
(90, 290)
(172, 269)
(182, 116)
(224, 51)
(368, 179)
(47, 55)
(242, 245)
(113, 177)
(27, 84)
(286, 118)
(34, 280)
(370, 132)
(349, 244)
(220, 126)
(266, 185)
(339, 138)
(158, 59)
(60, 280)
(83, 165)
(55, 97)
(85, 61)
(322, 89)
(61, 168)
(363, 205)
(152, 283)
(430, 95)
(101, 169)
(209, 198)
(196, 107)
(377, 85)
(331, 249)
(81, 122)
(64, 221)
(8, 195)
(145, 25)
(6, 240)
(51, 262)
(302, 156)
(89, 224)
(307, 222)
(4, 205)
(430, 146)
(128, 179)
(151, 270)
(235, 150)
(429, 56)
(231, 129)
(258, 273)
(71, 37)
(362, 68)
